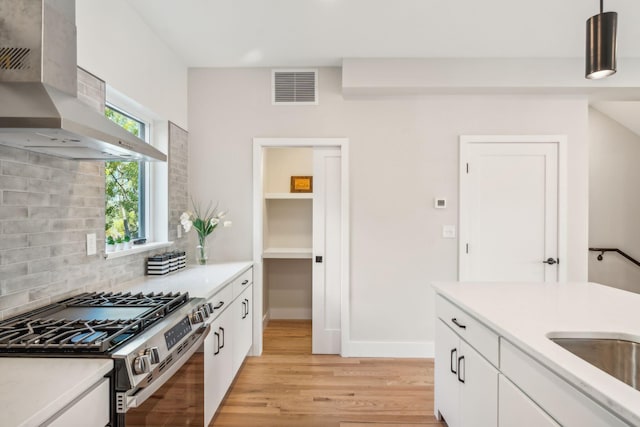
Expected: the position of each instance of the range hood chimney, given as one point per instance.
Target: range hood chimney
(39, 108)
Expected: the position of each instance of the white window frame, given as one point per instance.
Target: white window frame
(156, 175)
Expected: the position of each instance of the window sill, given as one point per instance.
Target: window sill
(137, 249)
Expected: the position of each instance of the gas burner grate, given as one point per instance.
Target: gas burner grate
(92, 323)
(67, 336)
(127, 299)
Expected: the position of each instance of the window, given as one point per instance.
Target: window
(125, 185)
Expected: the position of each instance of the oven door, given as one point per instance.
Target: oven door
(128, 402)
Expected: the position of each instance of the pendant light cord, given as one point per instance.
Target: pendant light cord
(601, 6)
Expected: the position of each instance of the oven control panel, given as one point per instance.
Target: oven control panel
(177, 332)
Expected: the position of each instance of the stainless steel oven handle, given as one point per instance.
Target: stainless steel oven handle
(139, 398)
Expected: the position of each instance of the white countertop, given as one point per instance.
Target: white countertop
(199, 280)
(34, 389)
(525, 313)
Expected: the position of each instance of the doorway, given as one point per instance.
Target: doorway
(302, 233)
(512, 204)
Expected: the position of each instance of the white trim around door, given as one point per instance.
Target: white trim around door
(259, 144)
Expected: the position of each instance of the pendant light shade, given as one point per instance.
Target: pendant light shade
(601, 45)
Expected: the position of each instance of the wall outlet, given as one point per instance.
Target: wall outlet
(91, 244)
(449, 231)
(179, 229)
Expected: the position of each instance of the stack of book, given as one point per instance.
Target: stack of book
(161, 264)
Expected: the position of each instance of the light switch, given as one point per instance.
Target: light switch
(449, 231)
(91, 244)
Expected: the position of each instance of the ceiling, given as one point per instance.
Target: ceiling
(302, 33)
(266, 33)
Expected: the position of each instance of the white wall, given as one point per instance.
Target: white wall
(404, 152)
(118, 47)
(614, 201)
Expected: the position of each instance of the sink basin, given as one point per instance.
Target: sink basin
(615, 356)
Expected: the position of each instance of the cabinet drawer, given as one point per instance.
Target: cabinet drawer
(90, 410)
(221, 300)
(483, 339)
(559, 399)
(516, 409)
(242, 282)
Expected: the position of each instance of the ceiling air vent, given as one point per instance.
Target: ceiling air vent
(295, 87)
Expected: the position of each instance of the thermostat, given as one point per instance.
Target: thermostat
(440, 203)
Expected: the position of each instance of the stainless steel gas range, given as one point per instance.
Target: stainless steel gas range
(148, 336)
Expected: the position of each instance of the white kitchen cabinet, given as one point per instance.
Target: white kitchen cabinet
(482, 379)
(90, 410)
(242, 326)
(218, 363)
(557, 397)
(515, 409)
(447, 392)
(229, 339)
(466, 383)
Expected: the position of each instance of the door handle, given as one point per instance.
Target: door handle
(551, 261)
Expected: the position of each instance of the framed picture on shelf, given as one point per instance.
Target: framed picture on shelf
(302, 184)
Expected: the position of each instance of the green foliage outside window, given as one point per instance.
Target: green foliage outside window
(123, 185)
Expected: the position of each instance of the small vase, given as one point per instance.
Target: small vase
(201, 251)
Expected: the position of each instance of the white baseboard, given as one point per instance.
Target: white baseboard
(290, 313)
(389, 349)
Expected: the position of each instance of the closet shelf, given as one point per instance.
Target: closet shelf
(287, 253)
(283, 196)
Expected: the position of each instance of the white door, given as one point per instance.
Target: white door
(326, 250)
(509, 203)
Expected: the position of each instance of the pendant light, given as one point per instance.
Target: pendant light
(601, 44)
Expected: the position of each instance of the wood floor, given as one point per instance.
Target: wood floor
(289, 387)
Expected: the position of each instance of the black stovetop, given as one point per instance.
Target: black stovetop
(91, 324)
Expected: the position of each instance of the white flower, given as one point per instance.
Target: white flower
(222, 214)
(184, 217)
(227, 224)
(214, 221)
(187, 225)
